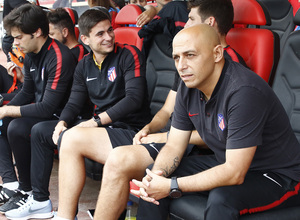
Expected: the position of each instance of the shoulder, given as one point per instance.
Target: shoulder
(239, 78)
(60, 50)
(126, 50)
(180, 7)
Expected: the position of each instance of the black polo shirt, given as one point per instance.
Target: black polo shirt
(243, 111)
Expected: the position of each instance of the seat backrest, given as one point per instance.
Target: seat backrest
(287, 78)
(281, 13)
(160, 71)
(129, 35)
(74, 16)
(259, 47)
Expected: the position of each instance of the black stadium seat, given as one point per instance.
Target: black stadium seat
(287, 79)
(160, 71)
(281, 12)
(287, 86)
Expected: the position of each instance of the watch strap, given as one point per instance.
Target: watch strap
(97, 119)
(174, 183)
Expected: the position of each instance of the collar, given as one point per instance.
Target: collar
(37, 56)
(99, 65)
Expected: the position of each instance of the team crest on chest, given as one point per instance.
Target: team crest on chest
(221, 122)
(112, 74)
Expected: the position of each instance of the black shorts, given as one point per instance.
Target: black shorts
(121, 136)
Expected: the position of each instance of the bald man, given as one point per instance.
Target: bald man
(256, 154)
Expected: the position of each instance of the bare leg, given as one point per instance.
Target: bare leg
(123, 164)
(78, 143)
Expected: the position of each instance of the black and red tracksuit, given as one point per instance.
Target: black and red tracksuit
(48, 78)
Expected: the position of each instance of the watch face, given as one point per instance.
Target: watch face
(175, 193)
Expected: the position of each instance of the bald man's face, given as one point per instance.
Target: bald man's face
(194, 58)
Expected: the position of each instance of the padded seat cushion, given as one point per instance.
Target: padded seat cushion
(192, 207)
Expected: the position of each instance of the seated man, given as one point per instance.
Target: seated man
(48, 68)
(113, 77)
(256, 161)
(116, 180)
(61, 28)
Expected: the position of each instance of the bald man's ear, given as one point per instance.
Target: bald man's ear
(218, 53)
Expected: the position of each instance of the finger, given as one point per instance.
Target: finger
(143, 192)
(150, 173)
(143, 140)
(54, 139)
(136, 192)
(138, 183)
(158, 172)
(146, 181)
(149, 199)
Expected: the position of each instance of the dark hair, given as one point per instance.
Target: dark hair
(28, 18)
(61, 18)
(104, 3)
(92, 17)
(221, 10)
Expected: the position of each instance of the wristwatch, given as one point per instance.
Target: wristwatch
(97, 119)
(175, 191)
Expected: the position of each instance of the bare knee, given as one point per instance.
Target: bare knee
(127, 161)
(70, 141)
(119, 161)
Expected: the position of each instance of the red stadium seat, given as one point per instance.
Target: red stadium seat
(259, 47)
(128, 35)
(74, 16)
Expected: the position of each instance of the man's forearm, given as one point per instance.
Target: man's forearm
(167, 161)
(10, 111)
(158, 122)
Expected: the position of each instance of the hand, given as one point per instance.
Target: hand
(88, 124)
(143, 19)
(60, 127)
(12, 69)
(154, 138)
(10, 66)
(142, 133)
(146, 16)
(153, 187)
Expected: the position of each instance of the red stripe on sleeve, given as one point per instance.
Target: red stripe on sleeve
(137, 71)
(179, 24)
(58, 65)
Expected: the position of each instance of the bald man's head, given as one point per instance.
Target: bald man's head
(198, 33)
(198, 56)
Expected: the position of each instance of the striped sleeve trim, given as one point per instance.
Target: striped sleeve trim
(58, 64)
(137, 71)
